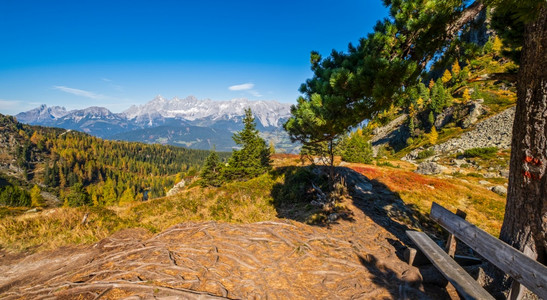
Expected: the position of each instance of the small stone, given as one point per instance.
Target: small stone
(484, 182)
(500, 190)
(333, 217)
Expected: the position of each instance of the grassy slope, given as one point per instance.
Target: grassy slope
(483, 207)
(239, 202)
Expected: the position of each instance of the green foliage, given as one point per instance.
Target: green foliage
(426, 153)
(77, 196)
(431, 119)
(253, 159)
(105, 169)
(14, 196)
(484, 153)
(440, 98)
(211, 171)
(357, 149)
(298, 185)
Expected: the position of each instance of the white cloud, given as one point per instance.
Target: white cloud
(79, 92)
(255, 93)
(241, 87)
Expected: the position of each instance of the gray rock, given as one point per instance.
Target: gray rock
(177, 188)
(429, 168)
(500, 190)
(495, 131)
(333, 217)
(490, 175)
(504, 173)
(484, 182)
(475, 111)
(459, 162)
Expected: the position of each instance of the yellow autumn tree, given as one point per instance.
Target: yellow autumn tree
(433, 136)
(36, 198)
(420, 103)
(456, 69)
(496, 46)
(466, 97)
(446, 76)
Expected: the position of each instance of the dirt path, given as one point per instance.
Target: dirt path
(354, 258)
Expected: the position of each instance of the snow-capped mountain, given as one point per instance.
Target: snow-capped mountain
(268, 113)
(42, 115)
(188, 122)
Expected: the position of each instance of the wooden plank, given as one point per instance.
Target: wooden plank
(451, 242)
(520, 267)
(456, 275)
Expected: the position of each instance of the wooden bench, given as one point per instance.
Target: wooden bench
(520, 267)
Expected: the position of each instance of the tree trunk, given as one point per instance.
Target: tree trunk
(525, 223)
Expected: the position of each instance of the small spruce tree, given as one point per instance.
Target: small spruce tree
(253, 159)
(211, 172)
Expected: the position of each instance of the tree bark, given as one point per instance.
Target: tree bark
(525, 223)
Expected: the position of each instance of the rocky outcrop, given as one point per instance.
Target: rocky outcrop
(177, 188)
(392, 134)
(493, 132)
(429, 168)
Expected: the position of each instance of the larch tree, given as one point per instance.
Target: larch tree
(395, 57)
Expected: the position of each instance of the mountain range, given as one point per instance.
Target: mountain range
(188, 122)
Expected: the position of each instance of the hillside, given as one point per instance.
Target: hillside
(75, 168)
(245, 239)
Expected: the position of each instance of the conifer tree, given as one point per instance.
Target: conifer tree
(36, 198)
(253, 158)
(433, 136)
(211, 172)
(456, 69)
(446, 76)
(466, 97)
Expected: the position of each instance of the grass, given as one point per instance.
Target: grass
(484, 208)
(241, 202)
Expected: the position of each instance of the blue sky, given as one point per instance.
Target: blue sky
(118, 53)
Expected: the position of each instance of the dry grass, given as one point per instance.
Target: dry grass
(483, 207)
(241, 202)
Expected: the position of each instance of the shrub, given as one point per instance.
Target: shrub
(484, 153)
(426, 153)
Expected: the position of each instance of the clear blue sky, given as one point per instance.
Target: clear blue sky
(114, 54)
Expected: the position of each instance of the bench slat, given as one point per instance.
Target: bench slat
(454, 273)
(520, 267)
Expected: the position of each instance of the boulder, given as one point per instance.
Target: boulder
(500, 190)
(475, 111)
(429, 168)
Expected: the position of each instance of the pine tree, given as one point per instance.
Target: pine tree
(253, 158)
(357, 149)
(211, 172)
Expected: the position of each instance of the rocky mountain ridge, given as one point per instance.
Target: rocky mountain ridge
(188, 122)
